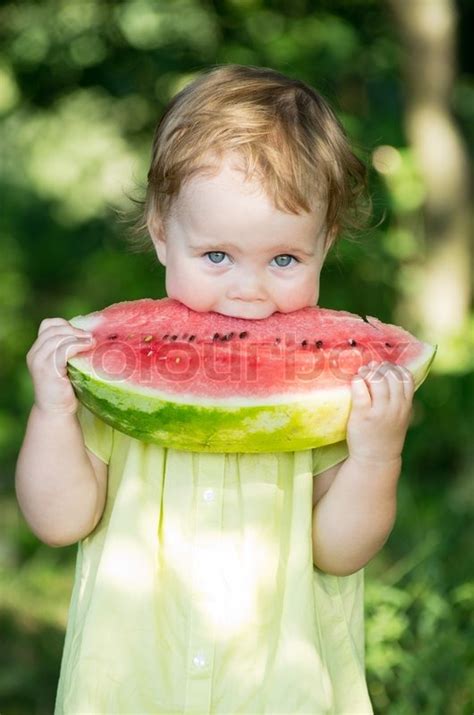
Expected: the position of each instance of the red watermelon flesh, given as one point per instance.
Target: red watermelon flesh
(209, 382)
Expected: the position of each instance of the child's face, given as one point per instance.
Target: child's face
(228, 249)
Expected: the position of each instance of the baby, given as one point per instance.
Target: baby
(221, 583)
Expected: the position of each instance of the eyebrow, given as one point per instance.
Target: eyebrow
(277, 250)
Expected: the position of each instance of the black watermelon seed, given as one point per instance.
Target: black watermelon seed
(278, 340)
(352, 343)
(319, 343)
(165, 336)
(191, 338)
(388, 345)
(304, 343)
(173, 337)
(243, 335)
(216, 336)
(112, 337)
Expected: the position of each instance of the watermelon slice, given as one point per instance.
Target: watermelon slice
(207, 382)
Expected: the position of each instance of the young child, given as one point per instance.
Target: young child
(221, 583)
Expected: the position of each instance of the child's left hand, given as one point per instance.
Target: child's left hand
(382, 396)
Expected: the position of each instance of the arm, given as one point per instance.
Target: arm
(59, 492)
(354, 517)
(354, 510)
(60, 485)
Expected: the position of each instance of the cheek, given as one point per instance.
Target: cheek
(309, 279)
(301, 293)
(188, 285)
(179, 282)
(179, 270)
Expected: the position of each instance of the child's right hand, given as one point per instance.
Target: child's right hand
(47, 358)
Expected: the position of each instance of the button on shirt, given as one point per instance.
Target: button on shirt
(196, 593)
(208, 495)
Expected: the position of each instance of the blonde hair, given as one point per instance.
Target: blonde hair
(284, 131)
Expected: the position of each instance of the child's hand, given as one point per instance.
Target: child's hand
(57, 341)
(381, 407)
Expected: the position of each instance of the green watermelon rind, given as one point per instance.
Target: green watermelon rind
(317, 420)
(206, 428)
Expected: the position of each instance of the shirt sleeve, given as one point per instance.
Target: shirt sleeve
(328, 456)
(98, 435)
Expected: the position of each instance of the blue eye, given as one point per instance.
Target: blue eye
(215, 253)
(284, 255)
(220, 254)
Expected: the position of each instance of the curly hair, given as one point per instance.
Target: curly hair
(284, 131)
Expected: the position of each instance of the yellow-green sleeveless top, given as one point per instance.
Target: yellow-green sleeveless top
(196, 593)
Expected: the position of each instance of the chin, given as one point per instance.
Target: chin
(246, 314)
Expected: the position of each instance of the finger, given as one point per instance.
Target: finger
(408, 383)
(400, 381)
(66, 350)
(64, 328)
(378, 385)
(53, 332)
(394, 379)
(51, 322)
(52, 354)
(361, 398)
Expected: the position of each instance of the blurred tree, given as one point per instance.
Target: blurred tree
(441, 299)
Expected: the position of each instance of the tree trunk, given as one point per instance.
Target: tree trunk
(441, 302)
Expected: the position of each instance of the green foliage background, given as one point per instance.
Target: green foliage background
(81, 85)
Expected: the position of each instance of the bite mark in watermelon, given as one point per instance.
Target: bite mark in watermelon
(207, 382)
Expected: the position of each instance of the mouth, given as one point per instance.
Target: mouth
(258, 313)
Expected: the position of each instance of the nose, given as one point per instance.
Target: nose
(248, 287)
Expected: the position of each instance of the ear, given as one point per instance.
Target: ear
(157, 234)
